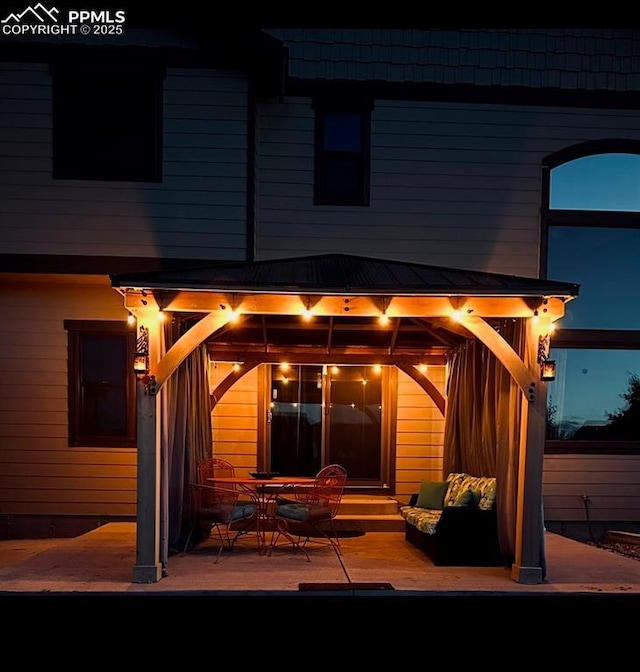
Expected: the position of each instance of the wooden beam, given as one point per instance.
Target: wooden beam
(426, 327)
(394, 335)
(330, 334)
(424, 382)
(232, 378)
(451, 325)
(272, 357)
(265, 338)
(185, 345)
(504, 352)
(288, 304)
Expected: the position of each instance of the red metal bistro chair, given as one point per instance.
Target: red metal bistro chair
(303, 511)
(220, 509)
(214, 466)
(225, 508)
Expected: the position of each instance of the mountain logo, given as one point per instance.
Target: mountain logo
(36, 14)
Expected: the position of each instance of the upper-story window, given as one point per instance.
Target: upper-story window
(593, 238)
(102, 405)
(342, 153)
(107, 124)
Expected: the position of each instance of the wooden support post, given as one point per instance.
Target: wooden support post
(530, 563)
(148, 568)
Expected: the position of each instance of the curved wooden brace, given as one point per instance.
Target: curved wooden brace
(232, 378)
(185, 345)
(438, 398)
(503, 351)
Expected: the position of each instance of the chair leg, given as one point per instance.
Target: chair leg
(222, 539)
(334, 540)
(282, 528)
(186, 543)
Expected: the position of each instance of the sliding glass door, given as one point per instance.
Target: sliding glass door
(319, 415)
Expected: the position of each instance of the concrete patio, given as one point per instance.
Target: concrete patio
(375, 563)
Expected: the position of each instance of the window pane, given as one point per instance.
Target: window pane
(598, 182)
(105, 410)
(296, 420)
(605, 262)
(342, 132)
(355, 418)
(343, 178)
(596, 395)
(104, 359)
(102, 406)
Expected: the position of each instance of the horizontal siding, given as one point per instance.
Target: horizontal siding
(451, 184)
(39, 472)
(235, 419)
(197, 211)
(611, 484)
(419, 434)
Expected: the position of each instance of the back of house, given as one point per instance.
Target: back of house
(147, 149)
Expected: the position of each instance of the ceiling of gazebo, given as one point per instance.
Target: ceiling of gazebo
(333, 336)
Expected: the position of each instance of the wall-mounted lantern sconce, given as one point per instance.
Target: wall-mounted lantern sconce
(544, 343)
(548, 370)
(141, 357)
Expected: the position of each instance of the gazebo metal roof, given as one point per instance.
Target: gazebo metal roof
(344, 274)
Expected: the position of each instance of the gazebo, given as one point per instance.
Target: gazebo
(443, 307)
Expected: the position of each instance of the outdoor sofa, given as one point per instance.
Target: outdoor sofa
(454, 522)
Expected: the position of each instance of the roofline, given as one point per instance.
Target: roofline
(332, 291)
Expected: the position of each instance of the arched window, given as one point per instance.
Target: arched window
(591, 236)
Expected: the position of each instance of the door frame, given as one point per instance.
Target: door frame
(387, 483)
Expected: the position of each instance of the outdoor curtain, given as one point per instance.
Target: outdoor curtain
(482, 423)
(185, 442)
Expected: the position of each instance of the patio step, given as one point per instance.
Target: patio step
(361, 513)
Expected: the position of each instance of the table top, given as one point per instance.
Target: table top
(275, 480)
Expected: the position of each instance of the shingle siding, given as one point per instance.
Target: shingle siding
(464, 56)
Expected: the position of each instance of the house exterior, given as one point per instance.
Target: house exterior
(427, 147)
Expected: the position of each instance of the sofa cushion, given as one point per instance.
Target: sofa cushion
(469, 498)
(431, 495)
(455, 487)
(485, 485)
(424, 520)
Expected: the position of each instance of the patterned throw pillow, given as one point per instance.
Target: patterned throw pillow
(485, 485)
(467, 498)
(455, 487)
